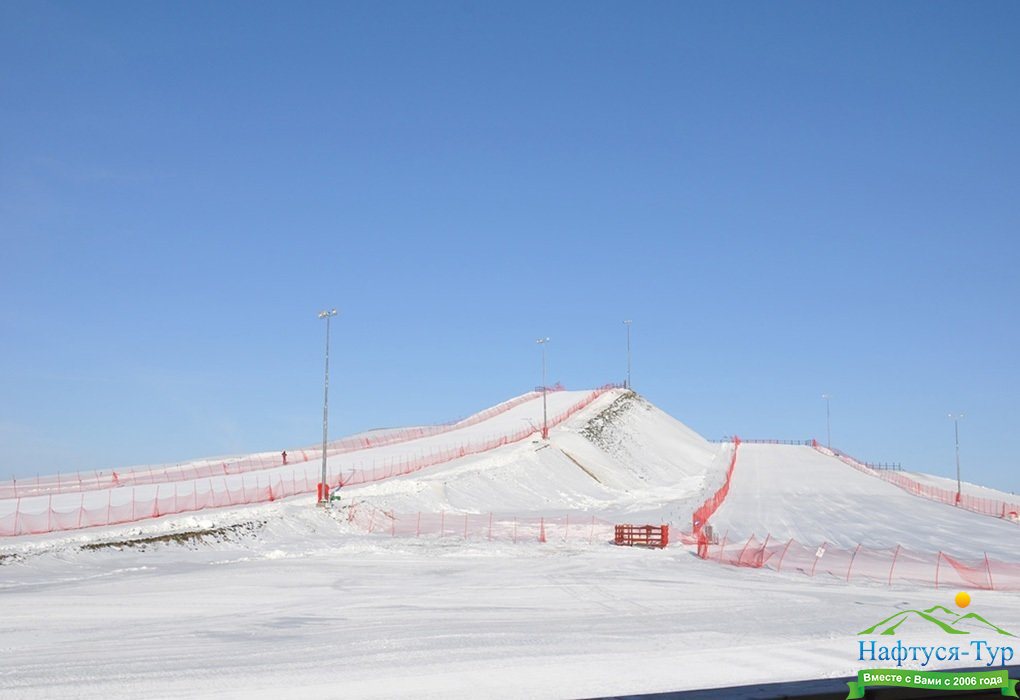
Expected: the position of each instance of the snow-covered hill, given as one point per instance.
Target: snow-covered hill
(286, 599)
(620, 457)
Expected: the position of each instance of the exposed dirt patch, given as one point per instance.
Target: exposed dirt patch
(189, 538)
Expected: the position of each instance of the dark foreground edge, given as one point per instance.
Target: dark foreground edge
(823, 689)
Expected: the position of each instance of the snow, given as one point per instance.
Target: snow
(651, 464)
(795, 491)
(285, 599)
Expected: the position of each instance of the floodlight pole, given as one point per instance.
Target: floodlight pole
(627, 323)
(323, 497)
(545, 412)
(956, 429)
(828, 422)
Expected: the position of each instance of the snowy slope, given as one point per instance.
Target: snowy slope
(616, 458)
(286, 599)
(621, 456)
(180, 491)
(795, 491)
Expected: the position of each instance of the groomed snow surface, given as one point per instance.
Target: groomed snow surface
(285, 599)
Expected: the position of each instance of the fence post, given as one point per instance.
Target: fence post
(591, 535)
(417, 532)
(895, 554)
(442, 523)
(852, 558)
(761, 552)
(988, 568)
(541, 530)
(938, 564)
(818, 556)
(782, 556)
(566, 529)
(465, 525)
(740, 558)
(490, 526)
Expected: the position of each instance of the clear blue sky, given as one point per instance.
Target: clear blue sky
(786, 198)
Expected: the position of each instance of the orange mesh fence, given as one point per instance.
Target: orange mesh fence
(408, 465)
(984, 506)
(54, 512)
(203, 469)
(580, 528)
(711, 505)
(862, 563)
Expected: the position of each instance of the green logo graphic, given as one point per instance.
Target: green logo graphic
(950, 623)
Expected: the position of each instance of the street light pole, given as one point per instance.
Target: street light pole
(828, 422)
(956, 429)
(545, 412)
(323, 495)
(627, 323)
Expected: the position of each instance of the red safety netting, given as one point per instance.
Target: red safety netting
(203, 469)
(984, 506)
(710, 506)
(881, 565)
(482, 527)
(402, 466)
(58, 512)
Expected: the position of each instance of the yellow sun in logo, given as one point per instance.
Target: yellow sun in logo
(962, 600)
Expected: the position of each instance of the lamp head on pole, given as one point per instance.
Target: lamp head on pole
(325, 314)
(542, 341)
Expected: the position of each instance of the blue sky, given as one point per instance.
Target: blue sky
(788, 199)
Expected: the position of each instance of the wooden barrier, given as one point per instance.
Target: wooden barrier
(642, 535)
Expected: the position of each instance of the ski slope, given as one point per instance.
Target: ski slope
(285, 599)
(793, 491)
